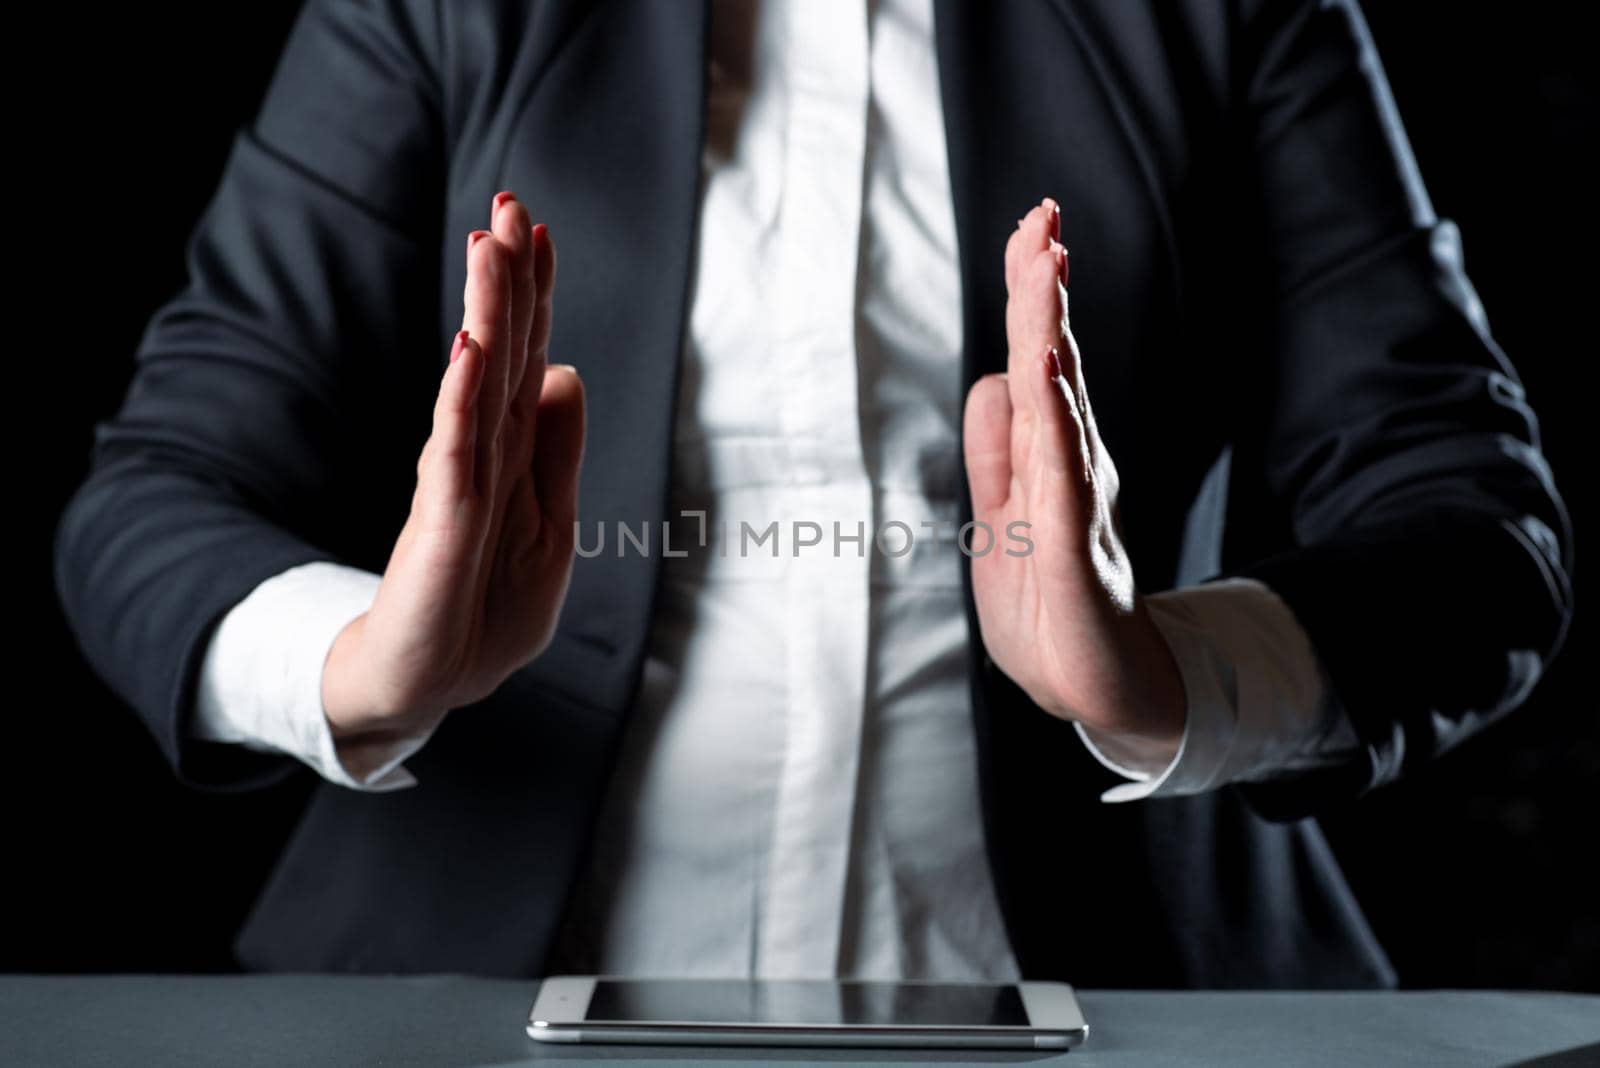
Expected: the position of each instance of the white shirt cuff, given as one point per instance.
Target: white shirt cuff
(1258, 702)
(260, 682)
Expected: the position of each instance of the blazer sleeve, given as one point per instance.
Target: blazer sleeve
(1432, 551)
(279, 399)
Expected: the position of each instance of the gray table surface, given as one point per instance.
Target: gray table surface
(455, 1022)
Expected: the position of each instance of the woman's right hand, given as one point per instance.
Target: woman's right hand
(476, 580)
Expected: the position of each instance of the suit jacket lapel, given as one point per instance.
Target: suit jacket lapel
(607, 144)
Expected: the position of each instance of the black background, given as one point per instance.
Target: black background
(1477, 872)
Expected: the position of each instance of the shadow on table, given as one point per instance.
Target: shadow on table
(1577, 1057)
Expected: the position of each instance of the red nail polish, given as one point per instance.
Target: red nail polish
(501, 199)
(459, 347)
(1052, 360)
(474, 237)
(1055, 221)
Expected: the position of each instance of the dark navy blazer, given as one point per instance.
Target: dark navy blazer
(1289, 365)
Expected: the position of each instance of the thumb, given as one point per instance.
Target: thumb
(986, 442)
(558, 446)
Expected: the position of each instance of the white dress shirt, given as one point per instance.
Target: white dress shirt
(797, 794)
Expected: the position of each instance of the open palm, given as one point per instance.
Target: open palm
(1061, 617)
(475, 583)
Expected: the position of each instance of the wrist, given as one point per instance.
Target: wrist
(1143, 702)
(353, 701)
(342, 704)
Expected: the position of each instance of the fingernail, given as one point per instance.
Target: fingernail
(500, 200)
(1055, 220)
(459, 347)
(1053, 361)
(474, 237)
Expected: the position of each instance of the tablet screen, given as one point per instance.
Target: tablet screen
(805, 1001)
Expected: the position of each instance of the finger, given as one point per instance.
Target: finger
(1072, 360)
(487, 318)
(1040, 226)
(1104, 471)
(986, 443)
(1061, 262)
(544, 273)
(1100, 461)
(1072, 370)
(1058, 480)
(1013, 249)
(1032, 325)
(444, 470)
(1031, 241)
(1033, 232)
(544, 261)
(558, 453)
(1063, 449)
(514, 230)
(1035, 319)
